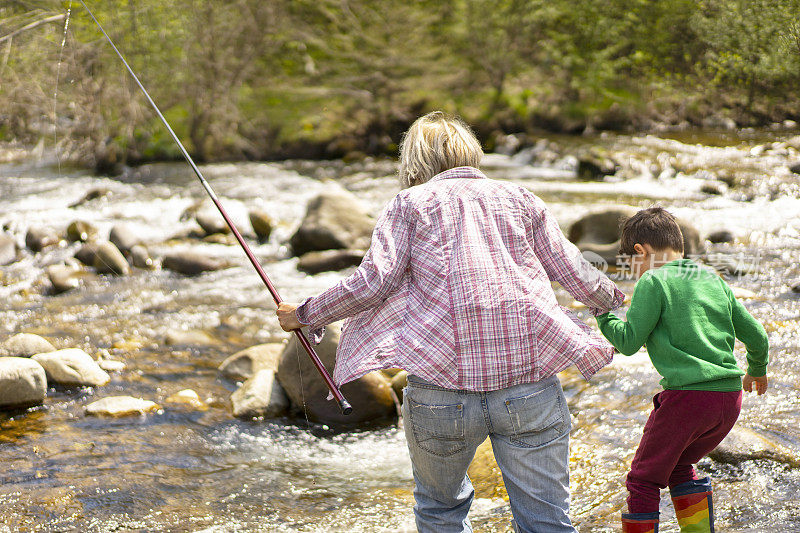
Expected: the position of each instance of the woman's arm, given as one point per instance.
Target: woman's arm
(565, 264)
(378, 275)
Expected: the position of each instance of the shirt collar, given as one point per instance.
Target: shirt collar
(459, 172)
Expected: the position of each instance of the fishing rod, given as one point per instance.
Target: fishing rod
(344, 405)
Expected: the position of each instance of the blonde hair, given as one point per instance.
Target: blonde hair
(434, 143)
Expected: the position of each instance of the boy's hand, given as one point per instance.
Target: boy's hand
(287, 316)
(761, 384)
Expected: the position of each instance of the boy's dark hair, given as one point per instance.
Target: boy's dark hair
(654, 226)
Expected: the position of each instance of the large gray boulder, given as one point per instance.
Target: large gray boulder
(599, 233)
(25, 345)
(22, 382)
(8, 249)
(333, 220)
(36, 239)
(118, 406)
(371, 396)
(192, 264)
(244, 364)
(109, 260)
(123, 238)
(72, 367)
(260, 396)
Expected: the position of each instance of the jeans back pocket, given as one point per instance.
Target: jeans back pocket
(539, 417)
(438, 429)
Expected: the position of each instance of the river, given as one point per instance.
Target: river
(180, 470)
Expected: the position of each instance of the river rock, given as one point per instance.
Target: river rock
(795, 168)
(187, 398)
(731, 265)
(333, 220)
(140, 258)
(119, 406)
(262, 225)
(25, 345)
(87, 253)
(22, 382)
(399, 382)
(8, 249)
(595, 168)
(225, 239)
(72, 367)
(743, 444)
(64, 278)
(211, 222)
(94, 194)
(82, 231)
(36, 239)
(796, 287)
(371, 395)
(188, 337)
(109, 260)
(261, 395)
(721, 236)
(244, 364)
(599, 233)
(123, 238)
(192, 264)
(327, 260)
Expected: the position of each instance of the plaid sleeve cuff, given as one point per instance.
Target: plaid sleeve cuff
(616, 301)
(314, 334)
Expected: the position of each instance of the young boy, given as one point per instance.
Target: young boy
(689, 319)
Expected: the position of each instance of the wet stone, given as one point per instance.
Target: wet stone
(8, 249)
(123, 238)
(82, 231)
(192, 264)
(187, 398)
(721, 236)
(87, 253)
(399, 382)
(262, 224)
(25, 345)
(260, 396)
(744, 444)
(333, 220)
(72, 367)
(36, 239)
(118, 406)
(22, 382)
(211, 222)
(328, 260)
(94, 194)
(109, 260)
(178, 337)
(140, 258)
(244, 364)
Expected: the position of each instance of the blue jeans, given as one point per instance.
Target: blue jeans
(529, 429)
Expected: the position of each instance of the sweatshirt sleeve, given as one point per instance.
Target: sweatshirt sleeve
(628, 336)
(753, 335)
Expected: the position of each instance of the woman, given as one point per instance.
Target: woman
(455, 289)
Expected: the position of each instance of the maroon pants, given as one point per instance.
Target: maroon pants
(684, 426)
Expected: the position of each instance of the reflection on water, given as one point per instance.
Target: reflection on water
(205, 471)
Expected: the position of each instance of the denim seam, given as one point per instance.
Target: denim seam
(461, 441)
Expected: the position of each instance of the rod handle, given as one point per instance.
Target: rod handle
(345, 406)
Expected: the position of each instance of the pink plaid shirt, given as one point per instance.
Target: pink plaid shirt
(455, 288)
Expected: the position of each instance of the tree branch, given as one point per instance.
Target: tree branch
(54, 18)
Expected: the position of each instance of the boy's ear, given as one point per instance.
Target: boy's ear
(639, 249)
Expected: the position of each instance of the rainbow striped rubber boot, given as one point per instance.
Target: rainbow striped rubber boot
(692, 501)
(640, 522)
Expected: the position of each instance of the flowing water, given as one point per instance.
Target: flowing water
(182, 470)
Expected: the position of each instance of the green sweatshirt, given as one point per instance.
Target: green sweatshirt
(689, 319)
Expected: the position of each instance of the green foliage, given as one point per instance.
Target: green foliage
(246, 78)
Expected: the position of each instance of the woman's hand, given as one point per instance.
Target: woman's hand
(287, 316)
